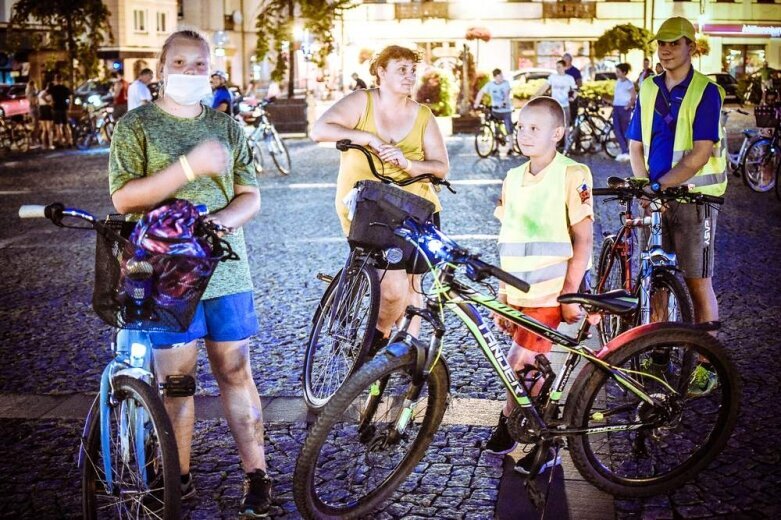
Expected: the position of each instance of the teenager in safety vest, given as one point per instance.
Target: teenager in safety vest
(546, 240)
(676, 139)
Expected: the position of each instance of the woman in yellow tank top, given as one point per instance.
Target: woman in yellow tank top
(407, 143)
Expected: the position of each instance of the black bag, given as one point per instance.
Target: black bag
(380, 208)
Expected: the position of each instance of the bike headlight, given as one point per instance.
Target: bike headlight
(137, 350)
(94, 99)
(434, 246)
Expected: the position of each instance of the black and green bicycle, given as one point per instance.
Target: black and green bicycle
(631, 432)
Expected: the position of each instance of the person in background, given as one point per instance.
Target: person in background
(501, 104)
(563, 88)
(31, 93)
(45, 102)
(251, 88)
(138, 92)
(624, 99)
(659, 69)
(119, 89)
(578, 77)
(222, 96)
(358, 83)
(647, 71)
(60, 100)
(273, 91)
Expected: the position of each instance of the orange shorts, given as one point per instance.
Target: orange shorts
(549, 316)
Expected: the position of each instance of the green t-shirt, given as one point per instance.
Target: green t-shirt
(147, 140)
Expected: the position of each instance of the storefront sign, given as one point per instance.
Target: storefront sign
(773, 31)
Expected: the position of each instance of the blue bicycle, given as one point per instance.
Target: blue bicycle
(128, 455)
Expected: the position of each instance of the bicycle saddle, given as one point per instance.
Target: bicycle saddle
(614, 302)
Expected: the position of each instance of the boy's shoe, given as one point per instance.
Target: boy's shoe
(524, 465)
(703, 381)
(500, 441)
(622, 157)
(256, 501)
(188, 488)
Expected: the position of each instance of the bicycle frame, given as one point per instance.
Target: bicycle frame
(463, 302)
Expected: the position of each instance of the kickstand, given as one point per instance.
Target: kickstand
(539, 498)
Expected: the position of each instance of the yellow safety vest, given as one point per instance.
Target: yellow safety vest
(712, 178)
(534, 241)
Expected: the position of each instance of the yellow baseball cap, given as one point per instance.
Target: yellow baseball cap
(673, 28)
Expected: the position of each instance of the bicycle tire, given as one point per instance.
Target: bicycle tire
(594, 388)
(485, 141)
(668, 280)
(164, 465)
(610, 325)
(610, 144)
(516, 147)
(278, 151)
(586, 138)
(357, 322)
(257, 156)
(310, 488)
(755, 164)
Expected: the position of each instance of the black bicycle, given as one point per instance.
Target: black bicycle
(492, 134)
(344, 322)
(631, 433)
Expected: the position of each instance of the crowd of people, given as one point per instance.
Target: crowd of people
(200, 153)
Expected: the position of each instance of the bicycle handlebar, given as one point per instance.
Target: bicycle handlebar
(345, 144)
(639, 188)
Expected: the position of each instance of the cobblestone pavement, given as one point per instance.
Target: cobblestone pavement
(53, 344)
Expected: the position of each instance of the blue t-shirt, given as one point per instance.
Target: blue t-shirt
(705, 126)
(574, 72)
(222, 95)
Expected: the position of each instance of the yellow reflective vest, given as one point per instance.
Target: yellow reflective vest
(534, 241)
(712, 178)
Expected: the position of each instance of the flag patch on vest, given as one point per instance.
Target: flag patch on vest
(584, 193)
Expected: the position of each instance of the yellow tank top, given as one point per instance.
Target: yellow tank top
(353, 166)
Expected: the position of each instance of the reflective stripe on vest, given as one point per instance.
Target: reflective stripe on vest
(534, 242)
(712, 178)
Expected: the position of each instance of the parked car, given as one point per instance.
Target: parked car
(728, 83)
(531, 73)
(13, 102)
(94, 91)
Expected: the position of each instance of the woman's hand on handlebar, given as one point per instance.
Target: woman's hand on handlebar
(393, 154)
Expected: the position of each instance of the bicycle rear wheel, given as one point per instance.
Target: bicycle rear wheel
(342, 331)
(759, 165)
(679, 436)
(610, 144)
(278, 150)
(257, 156)
(354, 458)
(611, 276)
(485, 141)
(144, 460)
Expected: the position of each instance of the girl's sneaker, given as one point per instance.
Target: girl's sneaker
(256, 501)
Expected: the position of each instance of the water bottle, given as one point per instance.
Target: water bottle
(138, 277)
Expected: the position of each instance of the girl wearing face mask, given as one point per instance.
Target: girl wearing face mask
(178, 147)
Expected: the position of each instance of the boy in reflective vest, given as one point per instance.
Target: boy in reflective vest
(676, 139)
(546, 239)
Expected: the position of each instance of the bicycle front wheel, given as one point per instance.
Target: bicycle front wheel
(144, 461)
(342, 330)
(759, 166)
(354, 456)
(257, 156)
(667, 442)
(279, 153)
(669, 298)
(610, 144)
(485, 142)
(611, 276)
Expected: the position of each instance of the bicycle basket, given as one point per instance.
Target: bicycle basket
(162, 294)
(767, 116)
(380, 208)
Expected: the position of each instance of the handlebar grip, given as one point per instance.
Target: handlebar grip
(32, 211)
(343, 144)
(740, 111)
(501, 275)
(604, 191)
(712, 199)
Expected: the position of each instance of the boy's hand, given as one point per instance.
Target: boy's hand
(571, 312)
(209, 159)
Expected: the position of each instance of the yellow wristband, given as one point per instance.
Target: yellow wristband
(188, 171)
(409, 165)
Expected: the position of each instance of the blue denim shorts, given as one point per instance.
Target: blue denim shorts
(227, 318)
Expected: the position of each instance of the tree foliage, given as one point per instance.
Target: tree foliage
(80, 27)
(623, 38)
(702, 46)
(438, 91)
(275, 29)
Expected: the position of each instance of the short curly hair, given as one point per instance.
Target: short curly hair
(391, 52)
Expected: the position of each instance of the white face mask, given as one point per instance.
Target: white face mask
(187, 89)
